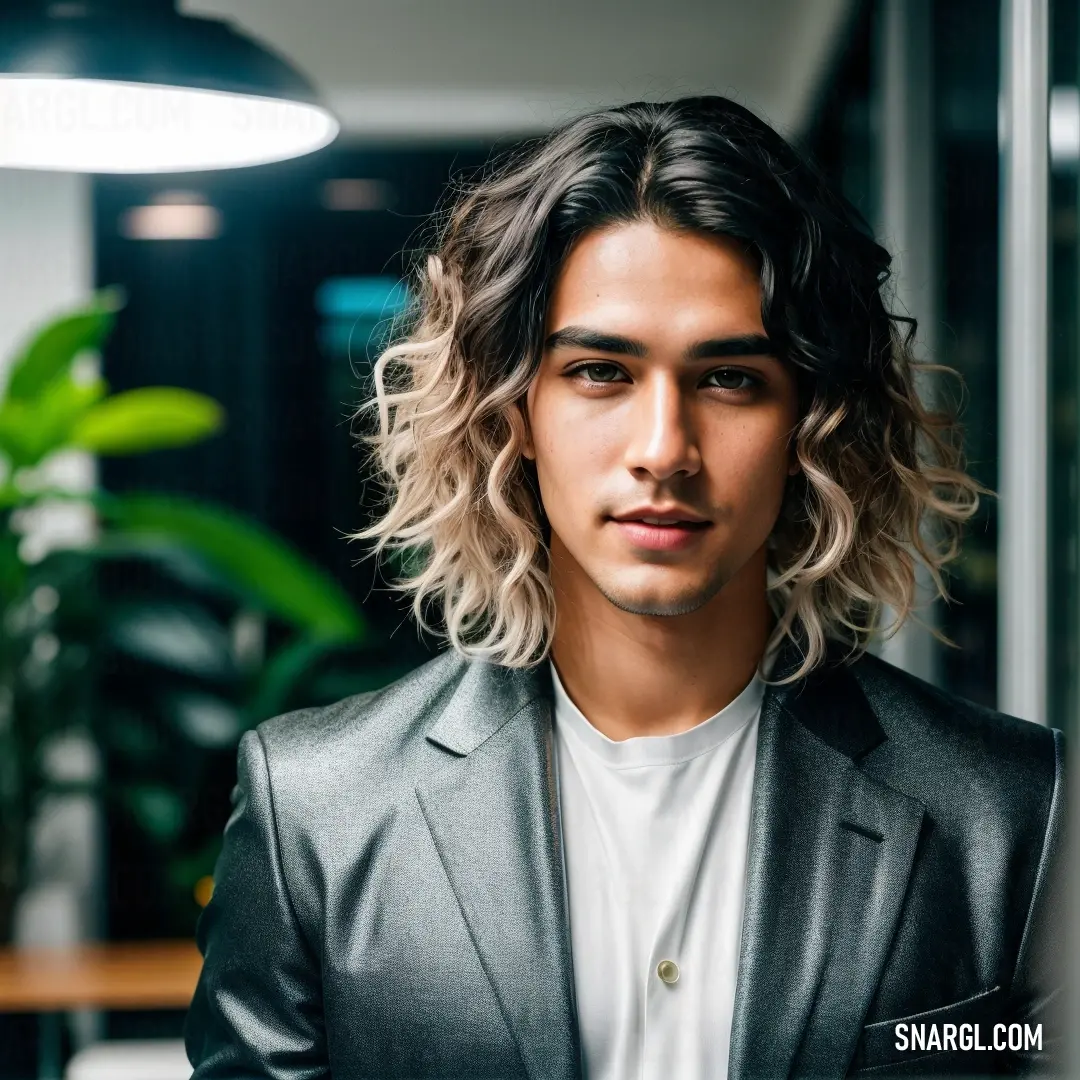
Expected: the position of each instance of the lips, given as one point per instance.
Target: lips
(668, 524)
(673, 515)
(670, 537)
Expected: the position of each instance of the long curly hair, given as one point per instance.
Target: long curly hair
(881, 486)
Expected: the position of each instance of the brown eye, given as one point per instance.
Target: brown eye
(732, 379)
(590, 370)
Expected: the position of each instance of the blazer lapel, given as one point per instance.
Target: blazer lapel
(493, 817)
(831, 850)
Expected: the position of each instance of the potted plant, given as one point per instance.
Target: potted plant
(55, 622)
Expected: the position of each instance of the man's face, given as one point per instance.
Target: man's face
(654, 390)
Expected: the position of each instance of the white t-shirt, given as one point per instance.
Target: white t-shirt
(655, 832)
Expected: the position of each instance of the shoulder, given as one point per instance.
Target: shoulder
(955, 754)
(361, 737)
(914, 712)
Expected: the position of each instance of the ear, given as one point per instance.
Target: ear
(528, 450)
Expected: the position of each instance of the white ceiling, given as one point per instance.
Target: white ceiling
(448, 68)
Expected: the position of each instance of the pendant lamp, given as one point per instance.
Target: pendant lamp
(134, 86)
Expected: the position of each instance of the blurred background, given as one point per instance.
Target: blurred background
(181, 352)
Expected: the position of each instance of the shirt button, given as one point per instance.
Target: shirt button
(668, 970)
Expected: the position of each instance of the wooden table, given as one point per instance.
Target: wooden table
(121, 975)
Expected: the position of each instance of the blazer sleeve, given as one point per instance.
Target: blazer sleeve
(257, 1009)
(1038, 994)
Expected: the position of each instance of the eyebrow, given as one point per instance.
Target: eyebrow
(583, 337)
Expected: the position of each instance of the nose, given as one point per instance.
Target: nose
(662, 439)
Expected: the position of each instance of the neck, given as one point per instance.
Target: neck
(634, 675)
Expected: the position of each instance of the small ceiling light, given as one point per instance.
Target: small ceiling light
(172, 215)
(133, 86)
(356, 194)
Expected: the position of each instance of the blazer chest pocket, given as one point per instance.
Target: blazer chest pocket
(964, 1029)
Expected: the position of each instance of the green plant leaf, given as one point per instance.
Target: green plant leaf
(30, 430)
(158, 809)
(126, 736)
(51, 351)
(183, 637)
(210, 722)
(151, 418)
(182, 564)
(266, 572)
(12, 568)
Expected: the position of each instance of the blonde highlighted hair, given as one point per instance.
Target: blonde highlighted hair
(881, 487)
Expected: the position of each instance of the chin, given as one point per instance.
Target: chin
(661, 602)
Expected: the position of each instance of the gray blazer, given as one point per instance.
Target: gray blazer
(389, 899)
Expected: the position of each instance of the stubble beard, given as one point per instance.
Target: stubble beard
(679, 605)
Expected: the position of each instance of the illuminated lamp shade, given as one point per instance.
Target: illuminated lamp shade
(133, 86)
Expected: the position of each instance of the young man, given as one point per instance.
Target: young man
(654, 444)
